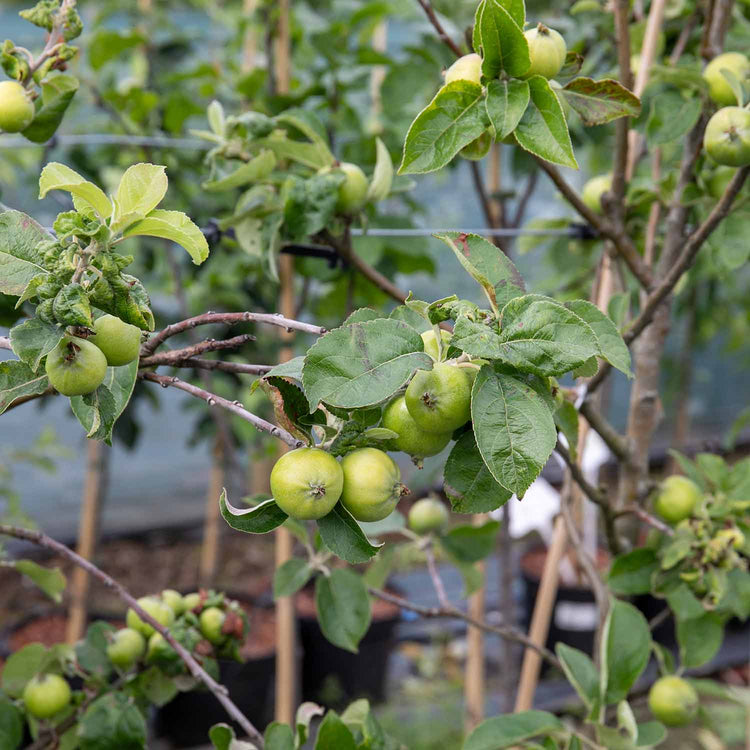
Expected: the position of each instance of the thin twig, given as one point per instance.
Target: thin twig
(644, 515)
(211, 318)
(41, 539)
(523, 200)
(234, 406)
(615, 442)
(437, 581)
(241, 368)
(430, 12)
(174, 356)
(454, 613)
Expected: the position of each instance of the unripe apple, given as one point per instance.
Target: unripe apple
(46, 695)
(466, 68)
(191, 601)
(211, 623)
(353, 191)
(119, 341)
(593, 191)
(547, 50)
(430, 342)
(174, 600)
(75, 367)
(673, 701)
(727, 137)
(677, 498)
(428, 514)
(159, 610)
(126, 648)
(16, 108)
(718, 86)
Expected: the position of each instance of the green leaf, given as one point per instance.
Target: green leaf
(50, 580)
(57, 93)
(311, 127)
(222, 737)
(650, 734)
(501, 41)
(362, 364)
(729, 241)
(599, 102)
(342, 535)
(671, 116)
(684, 603)
(289, 405)
(20, 667)
(382, 177)
(543, 129)
(260, 519)
(258, 168)
(626, 647)
(20, 260)
(470, 544)
(566, 420)
(11, 725)
(343, 607)
(158, 687)
(18, 380)
(631, 573)
(699, 639)
(510, 729)
(489, 266)
(506, 102)
(290, 577)
(71, 306)
(514, 428)
(581, 673)
(333, 734)
(311, 204)
(467, 481)
(452, 120)
(106, 44)
(33, 339)
(291, 369)
(112, 722)
(56, 176)
(140, 191)
(308, 154)
(612, 347)
(98, 411)
(175, 226)
(91, 652)
(278, 737)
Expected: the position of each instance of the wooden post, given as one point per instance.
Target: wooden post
(97, 464)
(286, 648)
(211, 521)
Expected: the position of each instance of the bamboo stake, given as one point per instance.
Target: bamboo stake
(286, 672)
(211, 527)
(97, 464)
(474, 687)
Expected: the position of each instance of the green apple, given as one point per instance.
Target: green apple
(428, 514)
(191, 601)
(46, 695)
(119, 341)
(372, 484)
(211, 623)
(152, 605)
(466, 68)
(727, 137)
(174, 600)
(75, 367)
(430, 343)
(593, 191)
(718, 86)
(353, 191)
(16, 108)
(126, 648)
(412, 439)
(547, 51)
(678, 496)
(673, 701)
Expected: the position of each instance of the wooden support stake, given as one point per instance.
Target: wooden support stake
(212, 520)
(97, 464)
(474, 687)
(286, 648)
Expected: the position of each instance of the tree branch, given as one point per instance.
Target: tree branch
(430, 12)
(175, 356)
(637, 510)
(37, 537)
(165, 381)
(451, 612)
(622, 243)
(241, 368)
(210, 318)
(615, 442)
(687, 257)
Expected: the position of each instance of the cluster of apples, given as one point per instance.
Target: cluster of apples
(307, 482)
(77, 365)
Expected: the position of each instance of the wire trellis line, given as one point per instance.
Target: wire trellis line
(104, 139)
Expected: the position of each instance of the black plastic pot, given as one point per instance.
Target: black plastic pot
(335, 676)
(185, 721)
